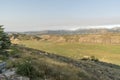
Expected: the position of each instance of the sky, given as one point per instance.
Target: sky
(35, 15)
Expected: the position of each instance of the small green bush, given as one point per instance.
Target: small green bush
(26, 69)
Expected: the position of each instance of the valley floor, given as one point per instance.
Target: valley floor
(104, 52)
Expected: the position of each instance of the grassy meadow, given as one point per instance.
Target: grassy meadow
(104, 52)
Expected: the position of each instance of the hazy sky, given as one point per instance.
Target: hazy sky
(28, 15)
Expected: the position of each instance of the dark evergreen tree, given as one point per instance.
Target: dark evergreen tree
(4, 42)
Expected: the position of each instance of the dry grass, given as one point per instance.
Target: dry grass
(108, 52)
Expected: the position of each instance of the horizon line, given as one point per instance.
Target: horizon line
(73, 29)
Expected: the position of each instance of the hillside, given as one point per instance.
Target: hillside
(56, 67)
(90, 35)
(106, 38)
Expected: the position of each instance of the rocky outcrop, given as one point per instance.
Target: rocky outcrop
(12, 77)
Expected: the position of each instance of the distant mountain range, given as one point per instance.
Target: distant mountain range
(77, 31)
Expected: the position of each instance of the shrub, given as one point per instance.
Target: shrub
(93, 58)
(26, 69)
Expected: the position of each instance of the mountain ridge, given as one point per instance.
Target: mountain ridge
(77, 31)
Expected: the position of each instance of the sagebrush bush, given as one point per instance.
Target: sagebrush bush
(26, 68)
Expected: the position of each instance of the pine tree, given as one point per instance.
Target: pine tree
(4, 41)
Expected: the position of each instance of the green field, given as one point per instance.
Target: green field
(108, 53)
